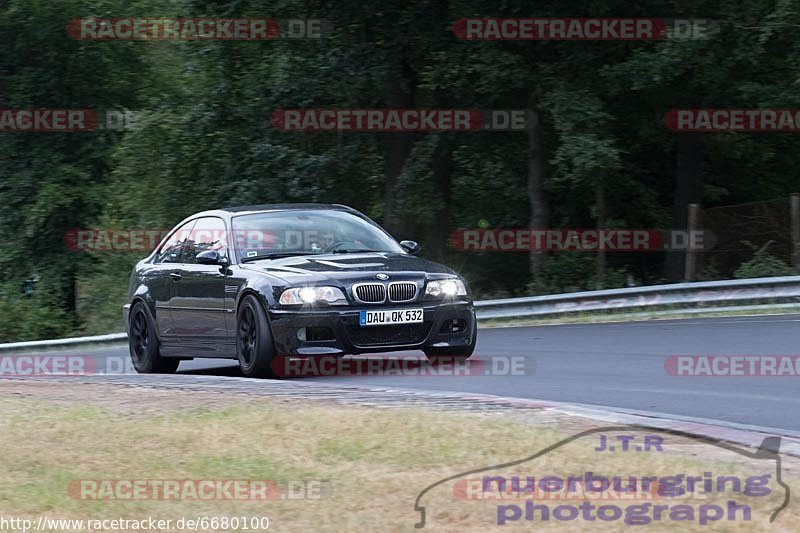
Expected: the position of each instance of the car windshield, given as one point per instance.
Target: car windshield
(301, 232)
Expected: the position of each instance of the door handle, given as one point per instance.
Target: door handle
(175, 276)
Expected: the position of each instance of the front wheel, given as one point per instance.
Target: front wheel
(143, 344)
(254, 345)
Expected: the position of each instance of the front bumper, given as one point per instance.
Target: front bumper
(348, 337)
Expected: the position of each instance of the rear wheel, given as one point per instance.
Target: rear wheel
(254, 345)
(143, 344)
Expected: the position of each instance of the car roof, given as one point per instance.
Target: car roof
(271, 207)
(274, 207)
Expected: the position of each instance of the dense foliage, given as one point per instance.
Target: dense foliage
(600, 155)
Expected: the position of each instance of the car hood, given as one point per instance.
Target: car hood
(346, 267)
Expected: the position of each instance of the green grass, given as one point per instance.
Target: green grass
(376, 460)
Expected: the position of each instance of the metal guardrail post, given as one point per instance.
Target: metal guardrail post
(794, 209)
(692, 225)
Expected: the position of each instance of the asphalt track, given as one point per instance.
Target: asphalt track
(618, 365)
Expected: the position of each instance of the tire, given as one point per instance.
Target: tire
(143, 344)
(458, 352)
(254, 347)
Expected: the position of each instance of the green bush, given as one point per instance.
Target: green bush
(763, 265)
(33, 317)
(574, 272)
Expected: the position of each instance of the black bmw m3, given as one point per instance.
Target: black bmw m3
(298, 280)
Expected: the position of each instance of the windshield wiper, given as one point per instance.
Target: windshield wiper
(275, 255)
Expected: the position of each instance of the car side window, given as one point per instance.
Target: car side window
(172, 250)
(208, 234)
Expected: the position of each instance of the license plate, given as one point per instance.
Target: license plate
(387, 317)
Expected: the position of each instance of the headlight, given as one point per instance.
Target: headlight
(445, 287)
(311, 295)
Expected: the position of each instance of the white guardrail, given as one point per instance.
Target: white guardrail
(684, 298)
(706, 296)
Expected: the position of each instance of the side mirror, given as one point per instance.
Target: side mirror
(411, 247)
(211, 257)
